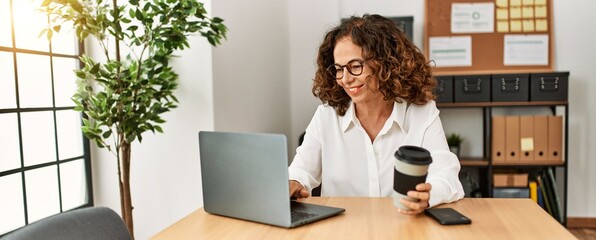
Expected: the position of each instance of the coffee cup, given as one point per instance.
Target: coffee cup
(410, 169)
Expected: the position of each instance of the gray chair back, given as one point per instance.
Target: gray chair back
(92, 223)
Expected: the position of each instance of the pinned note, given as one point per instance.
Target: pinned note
(541, 25)
(528, 25)
(528, 2)
(516, 26)
(515, 13)
(540, 2)
(502, 3)
(502, 14)
(540, 12)
(502, 26)
(528, 12)
(527, 144)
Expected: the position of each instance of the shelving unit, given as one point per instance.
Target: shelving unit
(485, 165)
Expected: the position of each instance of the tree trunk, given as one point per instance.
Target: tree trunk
(125, 197)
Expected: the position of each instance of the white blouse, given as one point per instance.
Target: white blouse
(337, 151)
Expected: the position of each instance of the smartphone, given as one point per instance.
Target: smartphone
(447, 216)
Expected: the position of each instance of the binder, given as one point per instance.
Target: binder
(555, 138)
(526, 134)
(498, 139)
(540, 138)
(550, 176)
(534, 191)
(512, 139)
(544, 195)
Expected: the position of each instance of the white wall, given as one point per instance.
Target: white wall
(575, 52)
(306, 32)
(250, 74)
(165, 170)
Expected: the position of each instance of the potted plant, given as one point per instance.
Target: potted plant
(122, 97)
(454, 141)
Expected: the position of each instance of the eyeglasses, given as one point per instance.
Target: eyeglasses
(354, 67)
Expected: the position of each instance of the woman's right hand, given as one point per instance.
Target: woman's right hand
(297, 190)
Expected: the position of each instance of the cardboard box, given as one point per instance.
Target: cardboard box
(526, 132)
(510, 179)
(500, 180)
(540, 138)
(555, 138)
(498, 139)
(512, 139)
(444, 89)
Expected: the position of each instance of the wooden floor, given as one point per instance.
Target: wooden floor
(584, 233)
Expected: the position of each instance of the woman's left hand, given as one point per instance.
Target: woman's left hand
(423, 194)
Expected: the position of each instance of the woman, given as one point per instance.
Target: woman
(376, 88)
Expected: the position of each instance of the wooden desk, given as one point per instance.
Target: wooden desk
(376, 218)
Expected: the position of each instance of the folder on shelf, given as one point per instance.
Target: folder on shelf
(555, 138)
(498, 139)
(540, 138)
(540, 197)
(557, 202)
(526, 134)
(551, 195)
(512, 143)
(533, 191)
(544, 195)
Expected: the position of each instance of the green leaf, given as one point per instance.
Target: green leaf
(42, 32)
(217, 20)
(57, 28)
(76, 5)
(95, 69)
(49, 35)
(130, 138)
(46, 3)
(139, 15)
(106, 134)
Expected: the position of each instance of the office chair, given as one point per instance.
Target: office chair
(316, 192)
(92, 223)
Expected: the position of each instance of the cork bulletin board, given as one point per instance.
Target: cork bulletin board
(489, 36)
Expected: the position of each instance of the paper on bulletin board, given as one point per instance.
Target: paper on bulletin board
(527, 50)
(451, 51)
(472, 17)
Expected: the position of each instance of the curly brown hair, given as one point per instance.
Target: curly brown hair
(396, 63)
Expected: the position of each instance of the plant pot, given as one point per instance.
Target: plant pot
(455, 150)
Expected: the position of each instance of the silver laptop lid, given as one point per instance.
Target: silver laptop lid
(245, 175)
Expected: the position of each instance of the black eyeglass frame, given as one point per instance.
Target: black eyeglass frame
(334, 68)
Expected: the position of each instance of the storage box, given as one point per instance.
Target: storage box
(406, 24)
(510, 87)
(444, 89)
(549, 86)
(510, 179)
(511, 192)
(472, 88)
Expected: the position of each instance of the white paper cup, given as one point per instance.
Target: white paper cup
(410, 169)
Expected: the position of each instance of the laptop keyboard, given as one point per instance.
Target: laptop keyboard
(298, 216)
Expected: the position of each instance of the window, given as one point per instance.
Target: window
(44, 160)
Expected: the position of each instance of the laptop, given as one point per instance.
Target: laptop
(245, 176)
